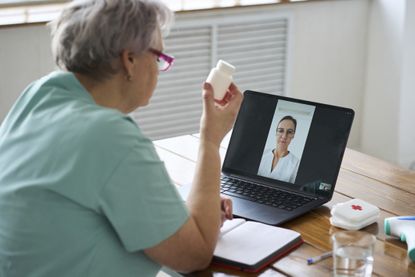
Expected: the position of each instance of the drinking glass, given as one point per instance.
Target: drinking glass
(353, 253)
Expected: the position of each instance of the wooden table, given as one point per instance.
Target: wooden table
(387, 186)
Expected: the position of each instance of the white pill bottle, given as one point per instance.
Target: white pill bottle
(220, 78)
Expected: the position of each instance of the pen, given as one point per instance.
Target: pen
(316, 259)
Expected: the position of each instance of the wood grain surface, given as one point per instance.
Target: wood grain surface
(387, 186)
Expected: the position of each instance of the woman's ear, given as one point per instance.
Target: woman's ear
(128, 63)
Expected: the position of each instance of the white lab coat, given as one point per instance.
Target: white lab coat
(286, 169)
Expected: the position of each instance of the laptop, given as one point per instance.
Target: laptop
(284, 156)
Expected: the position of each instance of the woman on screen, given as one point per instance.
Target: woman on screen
(280, 163)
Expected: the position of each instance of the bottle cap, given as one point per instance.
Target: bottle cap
(225, 67)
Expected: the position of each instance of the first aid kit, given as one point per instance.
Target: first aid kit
(354, 214)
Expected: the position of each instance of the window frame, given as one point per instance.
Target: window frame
(21, 12)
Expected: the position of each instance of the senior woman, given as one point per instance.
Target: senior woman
(280, 163)
(82, 190)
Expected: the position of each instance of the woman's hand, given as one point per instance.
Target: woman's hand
(226, 209)
(218, 116)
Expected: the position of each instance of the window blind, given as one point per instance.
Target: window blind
(257, 47)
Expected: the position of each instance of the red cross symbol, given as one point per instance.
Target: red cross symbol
(357, 207)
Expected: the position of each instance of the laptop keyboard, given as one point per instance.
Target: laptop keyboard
(262, 194)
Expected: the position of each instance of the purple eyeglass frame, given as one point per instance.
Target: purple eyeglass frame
(165, 57)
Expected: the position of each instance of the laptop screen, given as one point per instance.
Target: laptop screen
(288, 142)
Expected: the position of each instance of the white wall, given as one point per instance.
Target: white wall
(388, 123)
(407, 110)
(327, 57)
(381, 105)
(24, 57)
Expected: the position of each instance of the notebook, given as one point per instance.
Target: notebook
(284, 156)
(251, 246)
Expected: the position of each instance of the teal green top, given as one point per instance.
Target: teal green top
(82, 190)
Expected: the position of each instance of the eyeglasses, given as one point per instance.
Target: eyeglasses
(290, 132)
(164, 61)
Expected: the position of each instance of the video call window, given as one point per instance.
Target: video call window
(286, 140)
(311, 147)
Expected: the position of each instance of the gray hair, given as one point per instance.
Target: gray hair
(89, 35)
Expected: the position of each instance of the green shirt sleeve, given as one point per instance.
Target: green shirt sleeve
(140, 201)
